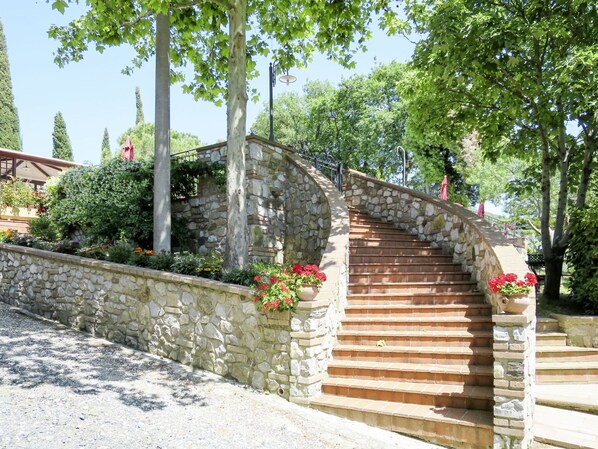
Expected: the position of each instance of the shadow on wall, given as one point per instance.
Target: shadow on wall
(35, 353)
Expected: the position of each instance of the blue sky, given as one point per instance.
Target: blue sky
(93, 94)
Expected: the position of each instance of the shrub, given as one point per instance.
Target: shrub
(210, 265)
(161, 261)
(186, 263)
(582, 257)
(99, 252)
(140, 257)
(120, 252)
(67, 246)
(43, 228)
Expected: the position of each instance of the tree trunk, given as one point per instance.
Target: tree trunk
(554, 273)
(236, 244)
(162, 224)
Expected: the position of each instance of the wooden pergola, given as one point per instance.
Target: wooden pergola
(30, 167)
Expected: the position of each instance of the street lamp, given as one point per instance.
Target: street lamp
(404, 165)
(287, 79)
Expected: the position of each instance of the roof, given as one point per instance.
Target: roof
(30, 167)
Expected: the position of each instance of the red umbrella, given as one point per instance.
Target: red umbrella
(444, 189)
(481, 209)
(127, 152)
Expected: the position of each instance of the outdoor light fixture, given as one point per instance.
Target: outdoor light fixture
(287, 79)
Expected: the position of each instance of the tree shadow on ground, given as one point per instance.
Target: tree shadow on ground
(34, 353)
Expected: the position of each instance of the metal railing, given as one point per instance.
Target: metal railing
(328, 166)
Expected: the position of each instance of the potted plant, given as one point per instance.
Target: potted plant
(514, 291)
(275, 290)
(309, 279)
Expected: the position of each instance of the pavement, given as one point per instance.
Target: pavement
(60, 388)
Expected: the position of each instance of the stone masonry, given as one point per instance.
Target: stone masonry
(195, 321)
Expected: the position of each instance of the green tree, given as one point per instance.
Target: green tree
(9, 119)
(138, 106)
(517, 73)
(211, 36)
(61, 144)
(106, 154)
(143, 138)
(359, 123)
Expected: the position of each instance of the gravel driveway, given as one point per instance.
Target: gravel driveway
(60, 388)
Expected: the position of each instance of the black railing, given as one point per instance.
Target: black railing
(329, 167)
(190, 155)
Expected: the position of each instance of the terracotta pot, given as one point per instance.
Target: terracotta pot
(515, 304)
(308, 292)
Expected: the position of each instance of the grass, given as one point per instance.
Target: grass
(563, 306)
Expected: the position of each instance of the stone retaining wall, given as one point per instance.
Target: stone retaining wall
(198, 322)
(288, 216)
(581, 330)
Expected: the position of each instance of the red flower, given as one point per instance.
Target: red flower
(257, 278)
(273, 280)
(321, 276)
(511, 277)
(297, 269)
(531, 279)
(284, 288)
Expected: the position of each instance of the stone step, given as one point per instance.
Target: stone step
(439, 267)
(402, 251)
(455, 396)
(412, 287)
(377, 278)
(384, 310)
(444, 355)
(398, 259)
(580, 397)
(387, 243)
(551, 339)
(566, 354)
(417, 298)
(450, 374)
(457, 428)
(416, 338)
(544, 325)
(566, 372)
(417, 323)
(565, 428)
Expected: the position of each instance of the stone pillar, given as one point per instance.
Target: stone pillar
(514, 380)
(311, 341)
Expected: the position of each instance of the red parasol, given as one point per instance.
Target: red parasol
(444, 189)
(481, 209)
(127, 152)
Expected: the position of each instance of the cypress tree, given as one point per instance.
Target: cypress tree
(139, 105)
(9, 120)
(61, 143)
(106, 155)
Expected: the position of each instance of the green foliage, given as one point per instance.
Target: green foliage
(143, 138)
(9, 119)
(210, 265)
(99, 252)
(138, 107)
(14, 194)
(582, 257)
(106, 155)
(43, 229)
(161, 261)
(359, 123)
(67, 246)
(120, 252)
(115, 200)
(186, 263)
(61, 144)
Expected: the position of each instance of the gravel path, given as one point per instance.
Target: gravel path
(60, 388)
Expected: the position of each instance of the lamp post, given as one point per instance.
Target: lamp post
(287, 79)
(404, 165)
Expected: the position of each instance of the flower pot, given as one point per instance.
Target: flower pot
(308, 292)
(515, 304)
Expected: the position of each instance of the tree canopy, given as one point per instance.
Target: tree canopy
(519, 73)
(142, 136)
(105, 155)
(9, 119)
(61, 144)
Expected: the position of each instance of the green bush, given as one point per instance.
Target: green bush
(582, 258)
(120, 252)
(43, 228)
(115, 200)
(161, 261)
(186, 263)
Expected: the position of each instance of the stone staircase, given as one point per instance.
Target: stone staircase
(566, 414)
(414, 353)
(558, 363)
